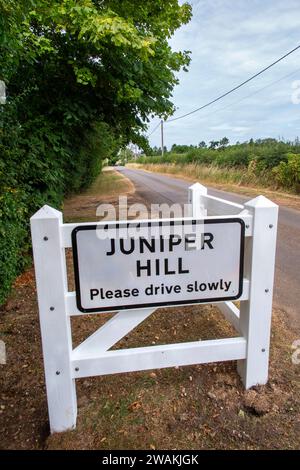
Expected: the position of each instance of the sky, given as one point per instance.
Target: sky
(230, 40)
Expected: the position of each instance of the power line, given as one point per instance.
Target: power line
(251, 94)
(236, 87)
(230, 105)
(156, 127)
(195, 7)
(233, 89)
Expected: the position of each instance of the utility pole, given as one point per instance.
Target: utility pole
(162, 137)
(2, 92)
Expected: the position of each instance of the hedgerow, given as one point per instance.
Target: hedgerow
(269, 162)
(82, 78)
(40, 163)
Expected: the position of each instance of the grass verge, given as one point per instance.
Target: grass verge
(194, 407)
(227, 179)
(105, 189)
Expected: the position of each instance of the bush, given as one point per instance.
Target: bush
(40, 162)
(77, 74)
(287, 173)
(267, 162)
(14, 238)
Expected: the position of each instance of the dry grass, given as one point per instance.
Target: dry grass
(195, 407)
(110, 183)
(105, 189)
(225, 179)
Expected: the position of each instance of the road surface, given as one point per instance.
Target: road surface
(156, 189)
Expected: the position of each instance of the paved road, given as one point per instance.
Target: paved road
(156, 189)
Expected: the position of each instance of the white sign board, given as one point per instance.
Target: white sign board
(155, 263)
(130, 265)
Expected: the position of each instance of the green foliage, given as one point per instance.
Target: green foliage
(40, 165)
(178, 149)
(274, 162)
(82, 77)
(14, 237)
(287, 173)
(125, 155)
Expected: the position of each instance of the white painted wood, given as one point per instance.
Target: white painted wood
(72, 309)
(62, 365)
(255, 314)
(231, 313)
(218, 206)
(247, 217)
(246, 288)
(68, 228)
(201, 204)
(111, 332)
(152, 357)
(196, 201)
(50, 272)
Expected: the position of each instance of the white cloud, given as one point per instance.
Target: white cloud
(228, 127)
(229, 42)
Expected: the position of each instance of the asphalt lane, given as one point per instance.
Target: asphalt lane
(157, 189)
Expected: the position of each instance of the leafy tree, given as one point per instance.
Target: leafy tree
(202, 145)
(101, 58)
(213, 144)
(182, 148)
(223, 143)
(83, 77)
(155, 151)
(125, 155)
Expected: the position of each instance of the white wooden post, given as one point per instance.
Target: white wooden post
(255, 313)
(195, 200)
(51, 280)
(62, 365)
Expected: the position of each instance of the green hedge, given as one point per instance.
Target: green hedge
(287, 173)
(40, 163)
(274, 161)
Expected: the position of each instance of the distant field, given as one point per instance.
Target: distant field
(223, 180)
(274, 165)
